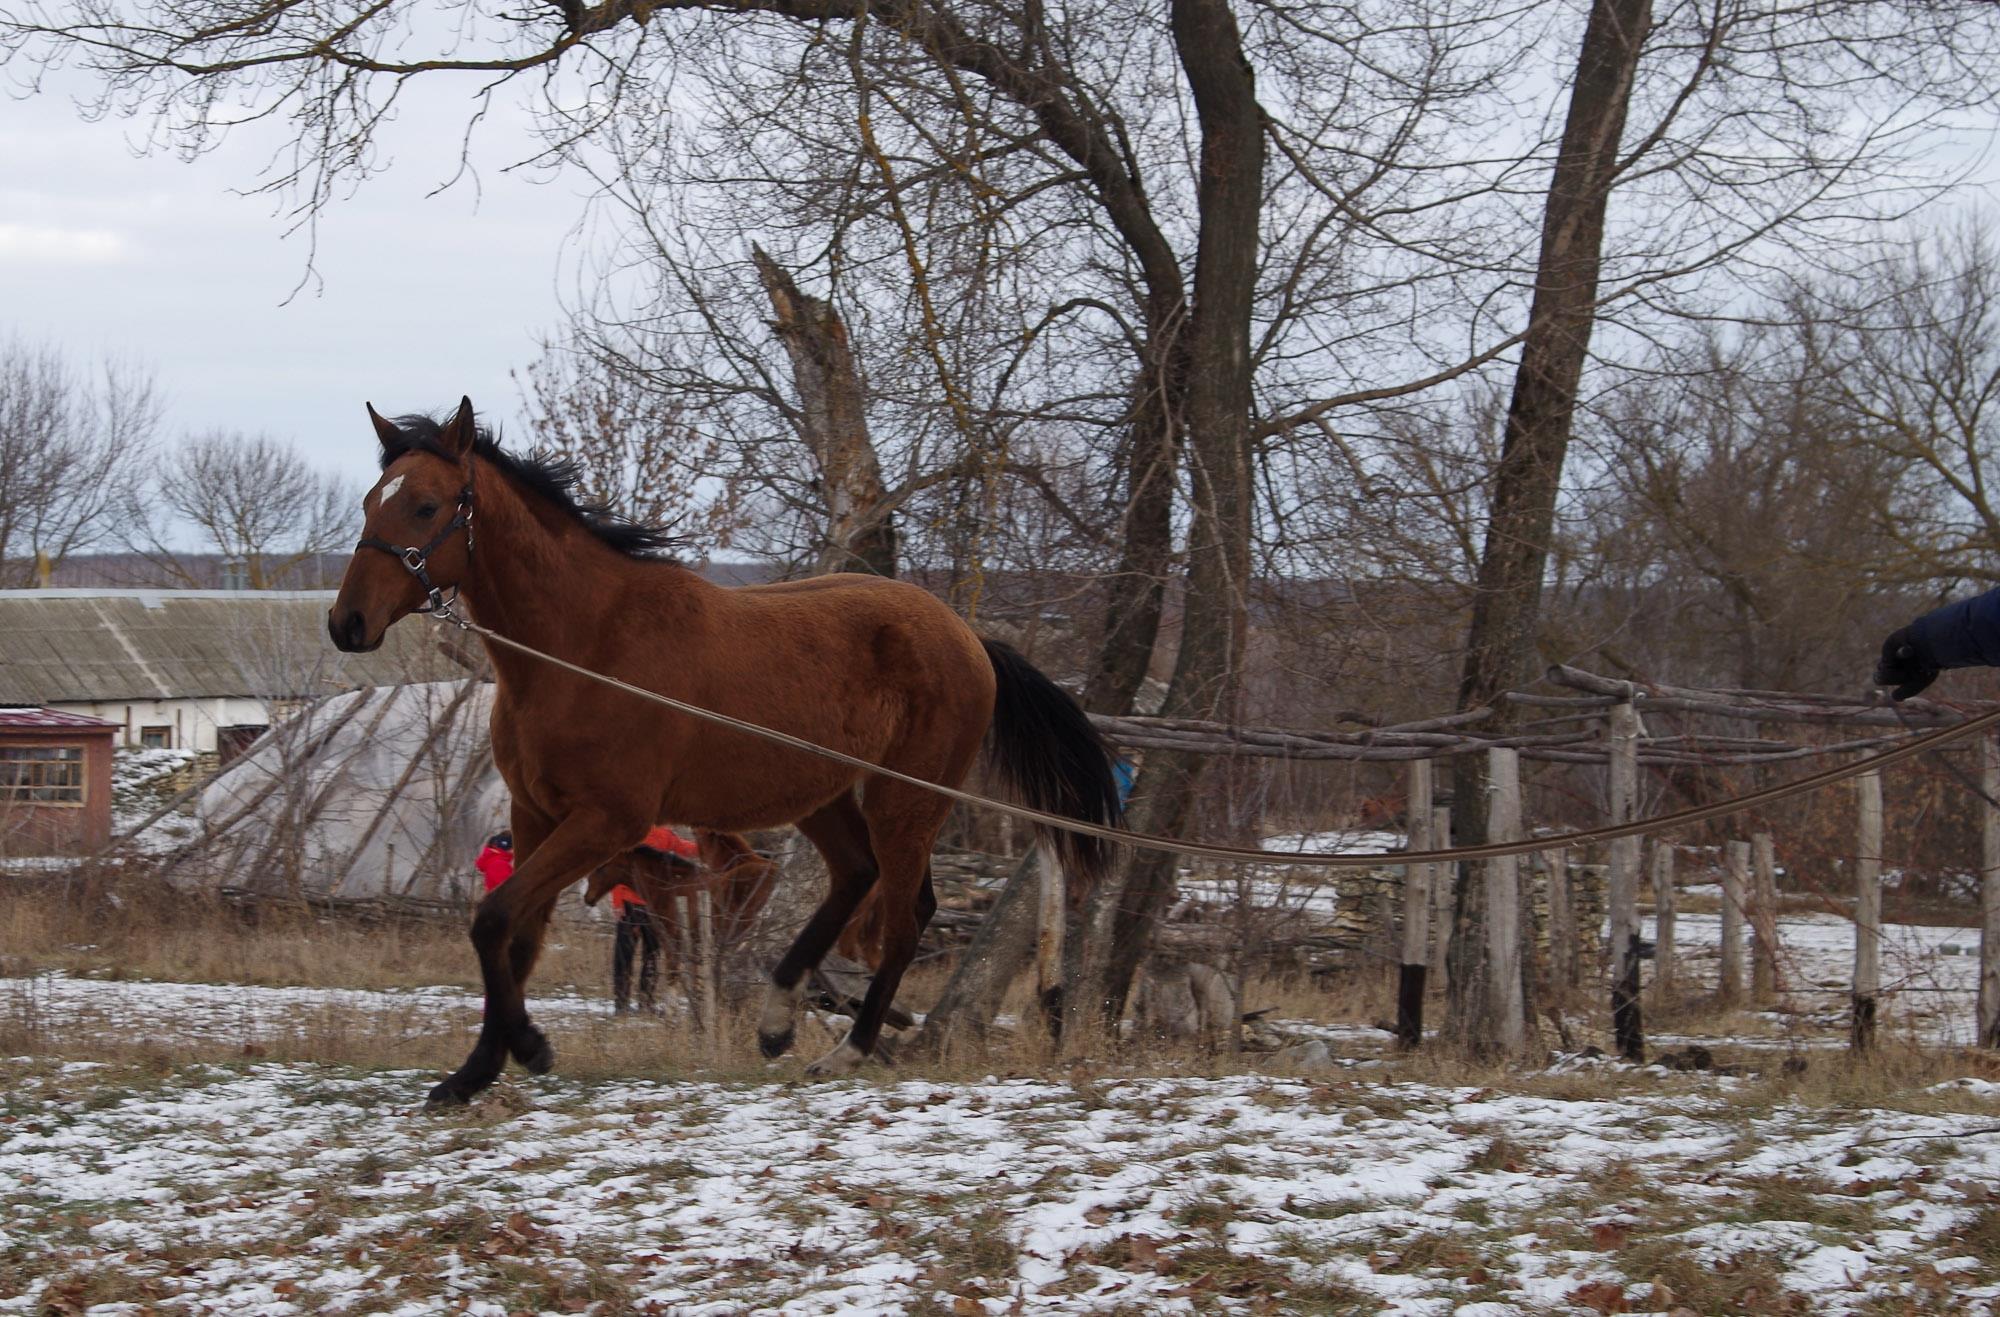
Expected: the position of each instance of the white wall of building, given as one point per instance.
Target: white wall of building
(194, 722)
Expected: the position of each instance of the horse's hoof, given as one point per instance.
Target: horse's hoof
(775, 1045)
(534, 1052)
(842, 1060)
(445, 1097)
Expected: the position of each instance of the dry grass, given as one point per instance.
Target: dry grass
(596, 1047)
(1748, 1284)
(1894, 1076)
(182, 938)
(1350, 998)
(188, 939)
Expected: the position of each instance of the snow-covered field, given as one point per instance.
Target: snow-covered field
(1930, 977)
(287, 1188)
(245, 1015)
(254, 1185)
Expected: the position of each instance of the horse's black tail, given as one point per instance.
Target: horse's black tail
(1043, 745)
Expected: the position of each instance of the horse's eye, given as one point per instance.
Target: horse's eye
(427, 511)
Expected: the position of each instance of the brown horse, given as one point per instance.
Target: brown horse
(873, 667)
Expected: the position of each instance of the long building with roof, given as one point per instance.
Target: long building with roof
(201, 670)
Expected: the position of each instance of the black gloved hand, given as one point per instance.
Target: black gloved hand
(1903, 666)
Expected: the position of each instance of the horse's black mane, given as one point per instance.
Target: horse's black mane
(551, 476)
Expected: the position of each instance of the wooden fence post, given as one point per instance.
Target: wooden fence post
(1663, 921)
(1763, 919)
(1735, 877)
(708, 964)
(1503, 905)
(1416, 910)
(1626, 1023)
(689, 953)
(1989, 894)
(1867, 909)
(1444, 901)
(1562, 922)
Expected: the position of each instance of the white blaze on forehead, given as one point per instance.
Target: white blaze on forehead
(389, 491)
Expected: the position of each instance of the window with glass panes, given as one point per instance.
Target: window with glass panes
(42, 774)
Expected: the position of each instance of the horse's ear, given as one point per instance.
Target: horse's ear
(460, 431)
(385, 430)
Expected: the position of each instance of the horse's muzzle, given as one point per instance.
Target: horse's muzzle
(349, 631)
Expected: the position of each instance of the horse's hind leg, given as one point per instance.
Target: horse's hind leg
(903, 825)
(840, 835)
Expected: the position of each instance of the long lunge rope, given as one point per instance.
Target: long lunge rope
(1248, 855)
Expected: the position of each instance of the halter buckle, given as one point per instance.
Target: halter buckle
(416, 558)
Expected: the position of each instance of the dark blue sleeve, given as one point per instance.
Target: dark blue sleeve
(1961, 635)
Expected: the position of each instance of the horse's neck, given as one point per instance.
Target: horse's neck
(544, 581)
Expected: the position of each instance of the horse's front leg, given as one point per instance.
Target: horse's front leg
(507, 931)
(528, 1044)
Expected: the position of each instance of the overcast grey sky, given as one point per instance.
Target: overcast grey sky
(421, 298)
(418, 298)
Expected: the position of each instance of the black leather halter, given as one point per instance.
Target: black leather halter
(417, 560)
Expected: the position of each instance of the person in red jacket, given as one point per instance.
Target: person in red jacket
(496, 862)
(637, 930)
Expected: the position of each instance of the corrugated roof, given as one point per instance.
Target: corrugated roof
(29, 718)
(68, 646)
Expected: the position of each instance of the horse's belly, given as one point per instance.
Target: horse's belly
(744, 796)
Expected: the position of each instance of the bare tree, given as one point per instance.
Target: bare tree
(1903, 356)
(639, 450)
(70, 445)
(1730, 540)
(1140, 264)
(1692, 76)
(250, 498)
(833, 419)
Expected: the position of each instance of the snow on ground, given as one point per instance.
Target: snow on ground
(1360, 841)
(1296, 891)
(1930, 975)
(268, 1188)
(236, 1014)
(272, 1189)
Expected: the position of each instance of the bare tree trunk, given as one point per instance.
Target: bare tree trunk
(1500, 644)
(1136, 595)
(1208, 677)
(861, 531)
(1137, 588)
(1000, 949)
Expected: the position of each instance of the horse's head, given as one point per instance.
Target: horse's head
(416, 541)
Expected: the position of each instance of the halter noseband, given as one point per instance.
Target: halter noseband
(417, 560)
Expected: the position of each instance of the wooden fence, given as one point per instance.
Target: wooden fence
(1602, 722)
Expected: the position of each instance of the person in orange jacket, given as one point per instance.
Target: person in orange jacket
(638, 932)
(496, 861)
